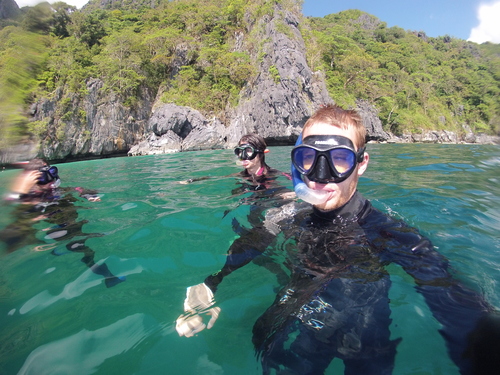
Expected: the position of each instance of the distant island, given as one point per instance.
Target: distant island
(139, 77)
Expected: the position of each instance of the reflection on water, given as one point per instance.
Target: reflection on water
(65, 356)
(56, 316)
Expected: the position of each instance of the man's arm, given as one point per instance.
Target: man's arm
(461, 311)
(200, 298)
(242, 251)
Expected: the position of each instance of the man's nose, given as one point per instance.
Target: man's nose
(322, 171)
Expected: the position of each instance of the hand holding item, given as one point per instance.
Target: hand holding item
(198, 300)
(88, 195)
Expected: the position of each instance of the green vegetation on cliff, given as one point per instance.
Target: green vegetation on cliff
(201, 53)
(417, 83)
(188, 48)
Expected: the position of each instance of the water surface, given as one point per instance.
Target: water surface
(57, 317)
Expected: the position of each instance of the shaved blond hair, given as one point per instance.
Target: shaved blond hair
(341, 118)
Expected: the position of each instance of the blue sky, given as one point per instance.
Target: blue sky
(475, 20)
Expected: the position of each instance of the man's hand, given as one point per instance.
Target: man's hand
(289, 195)
(198, 300)
(25, 181)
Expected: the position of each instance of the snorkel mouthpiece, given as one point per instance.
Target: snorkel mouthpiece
(314, 197)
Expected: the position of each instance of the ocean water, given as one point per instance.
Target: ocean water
(58, 317)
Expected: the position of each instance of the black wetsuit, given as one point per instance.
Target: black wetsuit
(268, 181)
(336, 303)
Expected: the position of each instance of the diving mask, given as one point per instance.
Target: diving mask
(47, 174)
(247, 152)
(326, 158)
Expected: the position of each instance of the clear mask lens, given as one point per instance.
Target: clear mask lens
(343, 160)
(340, 161)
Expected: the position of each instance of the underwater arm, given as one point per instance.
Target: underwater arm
(462, 312)
(242, 251)
(200, 298)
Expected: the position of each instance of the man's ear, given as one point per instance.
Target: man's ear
(364, 164)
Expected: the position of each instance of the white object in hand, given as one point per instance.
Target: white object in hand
(198, 300)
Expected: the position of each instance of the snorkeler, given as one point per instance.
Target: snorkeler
(251, 153)
(335, 303)
(256, 174)
(41, 199)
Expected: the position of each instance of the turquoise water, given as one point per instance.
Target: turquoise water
(57, 317)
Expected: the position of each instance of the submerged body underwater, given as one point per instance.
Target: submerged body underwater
(58, 315)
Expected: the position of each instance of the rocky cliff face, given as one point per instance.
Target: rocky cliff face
(172, 128)
(285, 92)
(372, 122)
(275, 104)
(96, 126)
(8, 9)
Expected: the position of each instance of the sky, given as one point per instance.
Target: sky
(474, 20)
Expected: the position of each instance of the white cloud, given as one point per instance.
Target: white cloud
(488, 29)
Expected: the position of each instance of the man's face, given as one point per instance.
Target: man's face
(339, 193)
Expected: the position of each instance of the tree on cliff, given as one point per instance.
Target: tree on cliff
(203, 53)
(417, 83)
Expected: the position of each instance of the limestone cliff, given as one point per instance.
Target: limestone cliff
(285, 92)
(97, 125)
(8, 9)
(275, 103)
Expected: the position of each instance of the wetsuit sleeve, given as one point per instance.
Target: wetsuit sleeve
(245, 248)
(460, 310)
